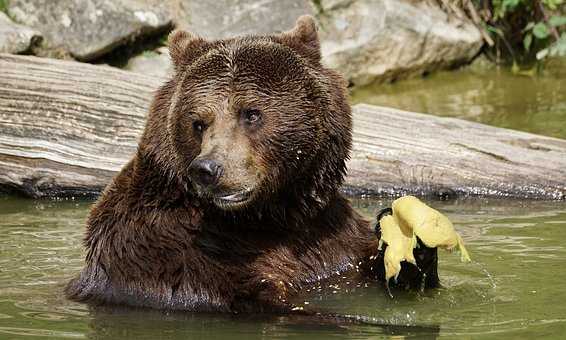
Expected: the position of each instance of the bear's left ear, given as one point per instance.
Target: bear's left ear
(185, 48)
(303, 38)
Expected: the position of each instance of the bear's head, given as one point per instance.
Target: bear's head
(252, 119)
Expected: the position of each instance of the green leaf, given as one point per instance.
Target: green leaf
(510, 4)
(495, 30)
(553, 4)
(556, 21)
(541, 31)
(542, 54)
(527, 41)
(558, 49)
(529, 26)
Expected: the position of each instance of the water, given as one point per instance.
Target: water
(514, 288)
(483, 94)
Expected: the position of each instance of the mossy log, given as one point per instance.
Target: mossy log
(67, 127)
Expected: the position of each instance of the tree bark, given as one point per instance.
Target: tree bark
(66, 128)
(399, 152)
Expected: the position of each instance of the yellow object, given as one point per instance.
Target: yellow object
(412, 218)
(400, 244)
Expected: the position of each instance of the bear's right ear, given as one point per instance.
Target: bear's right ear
(185, 48)
(303, 38)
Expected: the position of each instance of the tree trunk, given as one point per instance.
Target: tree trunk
(399, 152)
(67, 127)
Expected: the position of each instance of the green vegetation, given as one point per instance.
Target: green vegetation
(3, 5)
(524, 31)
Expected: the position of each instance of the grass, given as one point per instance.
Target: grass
(3, 5)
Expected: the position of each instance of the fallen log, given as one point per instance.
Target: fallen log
(398, 152)
(67, 127)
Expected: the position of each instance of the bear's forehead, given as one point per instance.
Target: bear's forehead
(254, 60)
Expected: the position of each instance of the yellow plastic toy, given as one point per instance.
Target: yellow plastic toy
(410, 219)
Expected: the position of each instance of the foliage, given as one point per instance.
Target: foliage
(525, 30)
(3, 5)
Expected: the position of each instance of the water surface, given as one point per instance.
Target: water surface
(513, 289)
(535, 103)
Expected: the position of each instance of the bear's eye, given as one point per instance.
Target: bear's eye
(198, 126)
(251, 116)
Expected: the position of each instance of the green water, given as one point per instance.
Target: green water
(514, 288)
(483, 94)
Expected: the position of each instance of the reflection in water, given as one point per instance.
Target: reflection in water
(486, 95)
(120, 323)
(513, 288)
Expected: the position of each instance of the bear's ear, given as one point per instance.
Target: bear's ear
(185, 48)
(303, 38)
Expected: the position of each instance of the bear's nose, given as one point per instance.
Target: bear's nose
(206, 171)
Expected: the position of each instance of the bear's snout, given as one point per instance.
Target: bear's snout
(206, 172)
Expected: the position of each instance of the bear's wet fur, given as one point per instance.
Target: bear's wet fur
(268, 217)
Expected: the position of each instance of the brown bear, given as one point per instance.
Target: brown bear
(232, 200)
